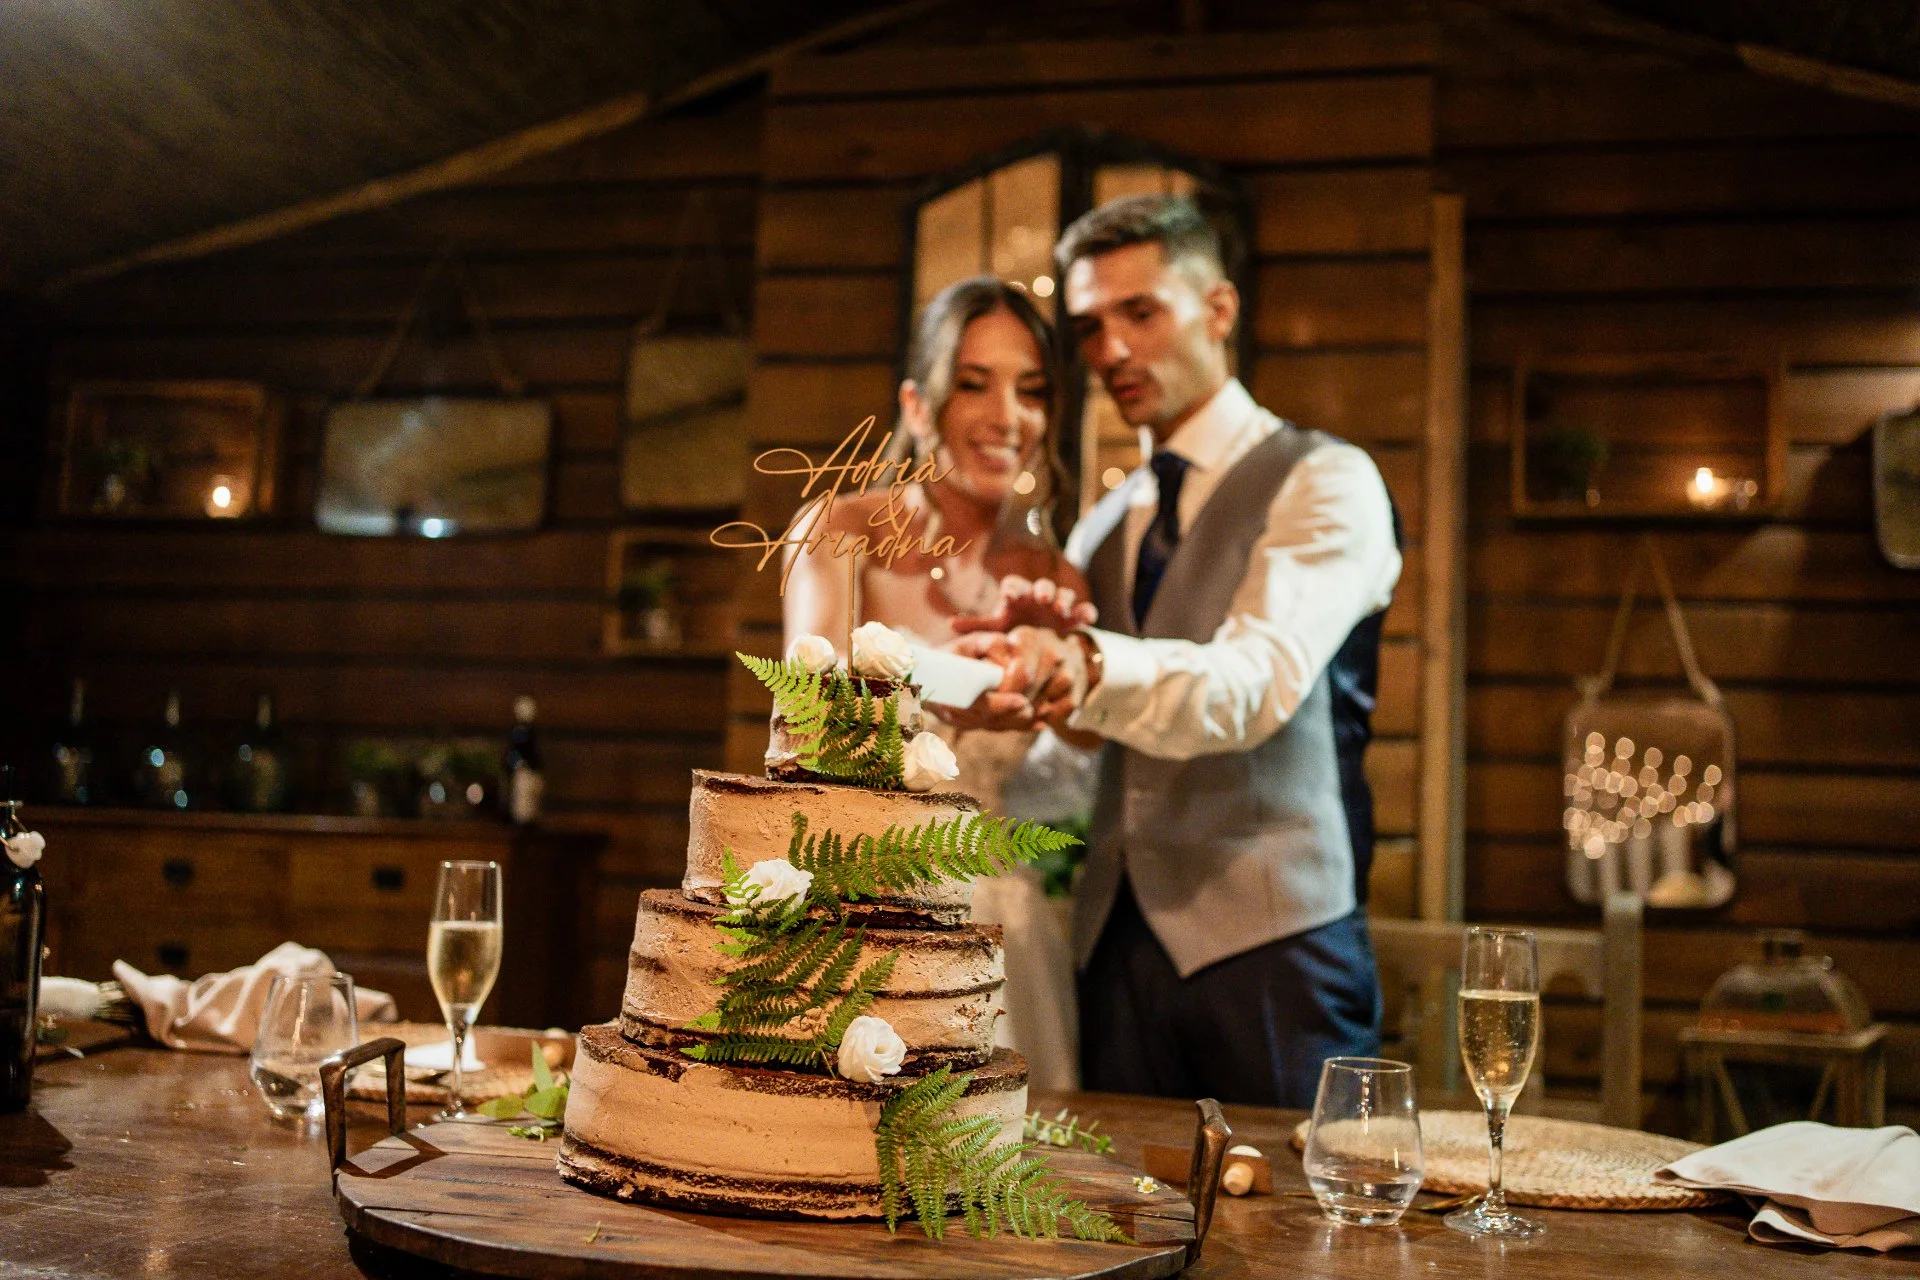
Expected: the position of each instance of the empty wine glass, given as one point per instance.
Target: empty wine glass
(463, 956)
(307, 1018)
(1363, 1158)
(1499, 1031)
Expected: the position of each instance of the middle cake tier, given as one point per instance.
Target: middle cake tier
(942, 998)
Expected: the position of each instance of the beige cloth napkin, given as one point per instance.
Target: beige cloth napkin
(1849, 1188)
(220, 1012)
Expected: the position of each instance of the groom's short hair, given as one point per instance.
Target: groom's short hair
(1174, 223)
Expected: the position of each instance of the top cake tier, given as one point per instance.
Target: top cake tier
(783, 750)
(754, 818)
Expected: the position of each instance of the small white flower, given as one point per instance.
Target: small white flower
(25, 849)
(882, 652)
(871, 1048)
(927, 762)
(815, 653)
(777, 879)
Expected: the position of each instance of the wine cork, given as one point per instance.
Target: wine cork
(1239, 1177)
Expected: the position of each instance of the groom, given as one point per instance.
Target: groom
(1239, 579)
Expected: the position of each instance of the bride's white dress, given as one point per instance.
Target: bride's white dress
(1008, 776)
(1042, 1016)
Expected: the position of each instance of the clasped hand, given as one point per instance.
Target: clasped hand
(1027, 635)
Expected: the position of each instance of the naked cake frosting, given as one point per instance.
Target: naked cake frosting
(674, 1102)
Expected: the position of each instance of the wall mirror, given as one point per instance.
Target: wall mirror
(683, 445)
(1002, 215)
(1896, 488)
(1635, 436)
(685, 441)
(434, 467)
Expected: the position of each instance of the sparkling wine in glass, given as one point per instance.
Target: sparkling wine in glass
(1499, 1032)
(463, 956)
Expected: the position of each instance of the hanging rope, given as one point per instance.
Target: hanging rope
(713, 250)
(503, 376)
(1647, 553)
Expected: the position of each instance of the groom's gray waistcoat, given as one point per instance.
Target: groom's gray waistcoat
(1224, 852)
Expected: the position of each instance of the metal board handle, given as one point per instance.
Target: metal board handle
(1203, 1174)
(333, 1091)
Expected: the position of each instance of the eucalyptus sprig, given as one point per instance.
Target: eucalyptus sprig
(545, 1100)
(1065, 1130)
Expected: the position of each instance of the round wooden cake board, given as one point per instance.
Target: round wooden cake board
(470, 1195)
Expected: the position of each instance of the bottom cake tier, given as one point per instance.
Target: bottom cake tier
(655, 1125)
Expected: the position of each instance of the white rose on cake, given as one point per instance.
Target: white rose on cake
(881, 652)
(927, 762)
(25, 849)
(815, 653)
(777, 880)
(871, 1048)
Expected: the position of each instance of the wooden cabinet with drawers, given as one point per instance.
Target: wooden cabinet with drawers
(197, 893)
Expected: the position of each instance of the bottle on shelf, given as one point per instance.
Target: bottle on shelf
(23, 927)
(523, 779)
(161, 777)
(72, 775)
(259, 772)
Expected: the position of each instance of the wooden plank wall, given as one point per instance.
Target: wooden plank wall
(1330, 129)
(1618, 200)
(414, 637)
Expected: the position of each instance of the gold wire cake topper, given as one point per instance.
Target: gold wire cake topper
(857, 465)
(852, 466)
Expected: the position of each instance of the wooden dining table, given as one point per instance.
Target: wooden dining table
(135, 1161)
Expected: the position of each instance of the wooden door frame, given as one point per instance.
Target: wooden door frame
(1441, 879)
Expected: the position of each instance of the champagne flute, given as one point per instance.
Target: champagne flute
(1499, 1032)
(463, 956)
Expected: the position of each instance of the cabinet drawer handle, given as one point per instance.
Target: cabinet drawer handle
(177, 872)
(173, 955)
(389, 879)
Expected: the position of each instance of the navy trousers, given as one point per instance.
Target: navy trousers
(1253, 1028)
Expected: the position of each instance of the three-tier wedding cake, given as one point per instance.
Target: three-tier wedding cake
(815, 963)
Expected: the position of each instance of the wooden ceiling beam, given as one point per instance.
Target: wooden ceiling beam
(485, 160)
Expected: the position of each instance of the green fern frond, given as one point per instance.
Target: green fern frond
(800, 696)
(905, 857)
(925, 1151)
(839, 729)
(788, 966)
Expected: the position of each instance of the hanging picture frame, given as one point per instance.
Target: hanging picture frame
(684, 433)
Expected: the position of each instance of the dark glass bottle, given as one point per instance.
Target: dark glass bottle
(23, 927)
(72, 775)
(523, 779)
(259, 779)
(160, 774)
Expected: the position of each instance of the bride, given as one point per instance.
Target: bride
(981, 398)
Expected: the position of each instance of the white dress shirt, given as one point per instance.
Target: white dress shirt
(1325, 561)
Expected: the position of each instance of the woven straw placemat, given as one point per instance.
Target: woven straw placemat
(1552, 1164)
(508, 1069)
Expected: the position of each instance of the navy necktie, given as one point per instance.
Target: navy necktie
(1163, 535)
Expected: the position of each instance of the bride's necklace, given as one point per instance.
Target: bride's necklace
(945, 578)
